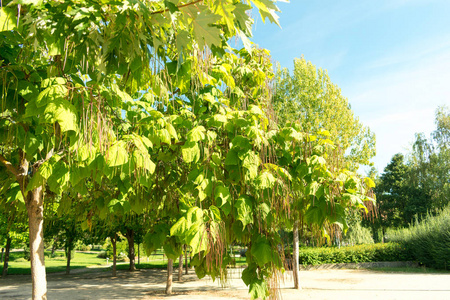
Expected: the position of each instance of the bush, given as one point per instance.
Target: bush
(353, 254)
(428, 241)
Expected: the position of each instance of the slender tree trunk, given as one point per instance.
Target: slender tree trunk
(169, 276)
(295, 257)
(383, 231)
(131, 255)
(35, 208)
(180, 267)
(68, 256)
(186, 259)
(55, 243)
(3, 251)
(114, 268)
(139, 255)
(6, 261)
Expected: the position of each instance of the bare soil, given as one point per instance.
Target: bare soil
(150, 284)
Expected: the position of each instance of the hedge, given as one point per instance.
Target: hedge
(428, 241)
(354, 254)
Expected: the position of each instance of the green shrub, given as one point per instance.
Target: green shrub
(353, 254)
(427, 241)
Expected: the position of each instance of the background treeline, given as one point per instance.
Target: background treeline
(417, 184)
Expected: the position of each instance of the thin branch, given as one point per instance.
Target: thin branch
(9, 166)
(180, 6)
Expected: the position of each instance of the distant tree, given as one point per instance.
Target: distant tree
(308, 96)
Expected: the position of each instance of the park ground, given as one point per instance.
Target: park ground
(150, 284)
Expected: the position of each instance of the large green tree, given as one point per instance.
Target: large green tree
(68, 70)
(308, 95)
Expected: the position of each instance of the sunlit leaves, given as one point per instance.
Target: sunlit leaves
(117, 154)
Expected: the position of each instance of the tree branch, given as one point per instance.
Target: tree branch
(180, 6)
(9, 166)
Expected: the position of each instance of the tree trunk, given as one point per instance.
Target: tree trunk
(3, 251)
(295, 258)
(6, 261)
(139, 255)
(68, 256)
(169, 276)
(180, 267)
(35, 208)
(114, 268)
(131, 255)
(185, 259)
(55, 243)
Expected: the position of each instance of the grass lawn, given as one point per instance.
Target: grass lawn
(19, 265)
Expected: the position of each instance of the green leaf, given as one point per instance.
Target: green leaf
(8, 19)
(266, 180)
(60, 177)
(204, 33)
(262, 251)
(258, 289)
(142, 160)
(179, 228)
(244, 211)
(190, 152)
(31, 145)
(249, 275)
(232, 158)
(56, 90)
(63, 112)
(369, 182)
(196, 134)
(117, 154)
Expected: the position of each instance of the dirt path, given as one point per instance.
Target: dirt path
(150, 284)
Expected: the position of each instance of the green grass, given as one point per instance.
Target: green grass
(19, 265)
(419, 270)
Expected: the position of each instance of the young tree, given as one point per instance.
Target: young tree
(66, 80)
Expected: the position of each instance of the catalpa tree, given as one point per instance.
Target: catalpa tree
(68, 70)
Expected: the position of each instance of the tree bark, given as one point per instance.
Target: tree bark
(68, 256)
(295, 257)
(131, 255)
(139, 255)
(6, 261)
(114, 268)
(169, 276)
(35, 208)
(186, 259)
(180, 267)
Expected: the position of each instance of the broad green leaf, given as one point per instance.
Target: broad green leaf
(249, 275)
(63, 112)
(179, 228)
(8, 19)
(117, 154)
(52, 93)
(244, 210)
(262, 251)
(60, 177)
(142, 160)
(196, 134)
(204, 33)
(190, 152)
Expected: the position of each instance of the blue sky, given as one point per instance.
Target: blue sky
(391, 58)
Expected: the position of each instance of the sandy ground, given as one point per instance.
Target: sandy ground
(150, 284)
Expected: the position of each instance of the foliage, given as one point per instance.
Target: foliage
(309, 96)
(427, 241)
(354, 254)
